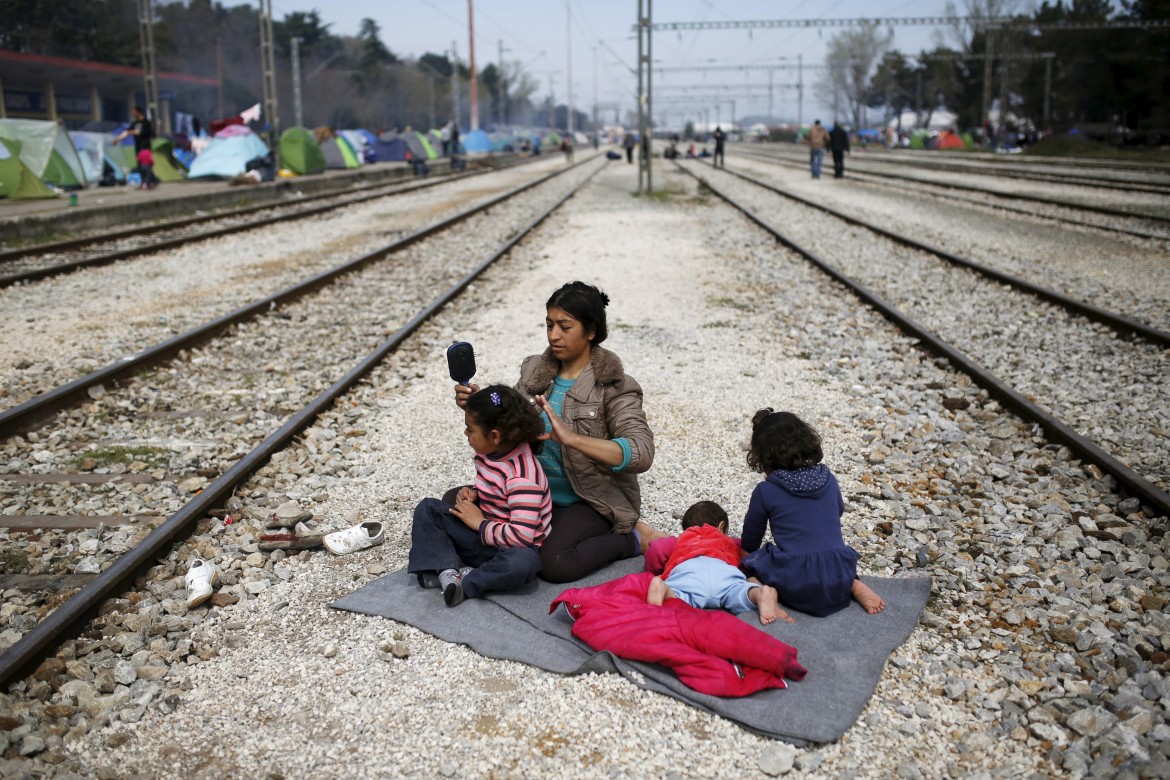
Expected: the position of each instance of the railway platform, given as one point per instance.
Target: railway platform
(104, 207)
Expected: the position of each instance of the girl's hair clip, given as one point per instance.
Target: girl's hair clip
(495, 399)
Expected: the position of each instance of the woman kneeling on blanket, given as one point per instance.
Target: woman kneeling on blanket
(597, 438)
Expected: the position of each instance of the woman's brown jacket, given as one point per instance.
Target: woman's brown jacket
(604, 403)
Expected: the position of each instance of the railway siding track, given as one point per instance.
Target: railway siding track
(1147, 226)
(33, 410)
(32, 263)
(1025, 173)
(1120, 323)
(966, 310)
(200, 453)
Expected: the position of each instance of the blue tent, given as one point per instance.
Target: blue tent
(476, 141)
(390, 148)
(371, 139)
(227, 157)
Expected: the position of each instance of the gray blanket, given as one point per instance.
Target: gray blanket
(844, 653)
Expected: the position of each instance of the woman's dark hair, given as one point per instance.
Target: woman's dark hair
(781, 440)
(500, 408)
(705, 513)
(584, 303)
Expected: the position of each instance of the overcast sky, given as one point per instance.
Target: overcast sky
(535, 33)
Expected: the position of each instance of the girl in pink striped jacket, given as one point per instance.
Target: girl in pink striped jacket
(487, 537)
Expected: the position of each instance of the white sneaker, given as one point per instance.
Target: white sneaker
(353, 539)
(201, 578)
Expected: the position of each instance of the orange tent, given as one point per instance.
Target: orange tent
(948, 140)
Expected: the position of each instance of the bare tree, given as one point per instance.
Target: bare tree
(852, 57)
(965, 24)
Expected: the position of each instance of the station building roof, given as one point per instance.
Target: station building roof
(44, 86)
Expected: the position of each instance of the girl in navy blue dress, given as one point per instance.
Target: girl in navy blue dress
(807, 561)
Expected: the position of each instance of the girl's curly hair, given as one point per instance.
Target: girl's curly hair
(781, 440)
(500, 408)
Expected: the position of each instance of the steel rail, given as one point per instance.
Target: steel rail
(157, 227)
(1123, 325)
(1048, 178)
(1006, 195)
(105, 258)
(34, 646)
(1149, 493)
(26, 415)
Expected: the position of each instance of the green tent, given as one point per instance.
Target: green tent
(552, 140)
(299, 152)
(427, 145)
(47, 151)
(918, 139)
(348, 153)
(166, 167)
(58, 172)
(17, 182)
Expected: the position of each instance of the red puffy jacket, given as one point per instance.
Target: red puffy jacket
(711, 651)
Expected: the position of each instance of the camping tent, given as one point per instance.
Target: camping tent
(338, 153)
(918, 139)
(227, 157)
(391, 147)
(91, 151)
(948, 140)
(424, 146)
(299, 151)
(476, 141)
(357, 142)
(166, 167)
(47, 151)
(17, 182)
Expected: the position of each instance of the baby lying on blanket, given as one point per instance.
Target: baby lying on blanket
(701, 567)
(711, 651)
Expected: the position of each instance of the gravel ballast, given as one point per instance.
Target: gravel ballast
(1043, 651)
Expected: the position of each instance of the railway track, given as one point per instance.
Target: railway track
(894, 292)
(42, 261)
(1140, 225)
(177, 420)
(1026, 171)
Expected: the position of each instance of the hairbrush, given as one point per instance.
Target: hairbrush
(461, 362)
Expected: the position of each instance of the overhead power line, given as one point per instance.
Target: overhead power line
(695, 68)
(913, 21)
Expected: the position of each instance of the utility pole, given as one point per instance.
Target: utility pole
(218, 77)
(771, 97)
(552, 102)
(502, 95)
(569, 65)
(988, 50)
(149, 75)
(454, 84)
(1003, 93)
(645, 101)
(596, 130)
(473, 88)
(1047, 90)
(298, 111)
(799, 90)
(268, 62)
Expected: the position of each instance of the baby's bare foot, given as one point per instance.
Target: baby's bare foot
(769, 605)
(657, 592)
(870, 601)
